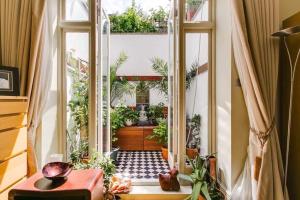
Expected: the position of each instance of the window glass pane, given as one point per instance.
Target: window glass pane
(77, 89)
(197, 85)
(196, 10)
(103, 89)
(77, 10)
(171, 82)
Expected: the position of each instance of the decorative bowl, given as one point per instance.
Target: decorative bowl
(56, 171)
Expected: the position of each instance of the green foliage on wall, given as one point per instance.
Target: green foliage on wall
(134, 20)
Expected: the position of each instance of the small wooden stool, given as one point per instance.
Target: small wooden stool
(80, 185)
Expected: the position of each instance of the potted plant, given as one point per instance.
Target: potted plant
(160, 133)
(193, 139)
(117, 121)
(155, 112)
(204, 187)
(131, 117)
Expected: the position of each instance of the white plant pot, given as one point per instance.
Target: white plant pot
(128, 122)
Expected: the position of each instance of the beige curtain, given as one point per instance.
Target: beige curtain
(21, 45)
(256, 55)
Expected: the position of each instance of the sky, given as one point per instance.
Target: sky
(113, 6)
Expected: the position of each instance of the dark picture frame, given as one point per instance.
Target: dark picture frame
(9, 81)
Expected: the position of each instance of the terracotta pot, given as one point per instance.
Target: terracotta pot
(164, 152)
(191, 153)
(201, 197)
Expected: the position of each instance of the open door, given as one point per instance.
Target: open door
(103, 83)
(172, 133)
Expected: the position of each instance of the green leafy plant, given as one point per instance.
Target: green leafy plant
(160, 18)
(134, 20)
(131, 114)
(117, 120)
(118, 85)
(202, 182)
(79, 152)
(155, 112)
(131, 21)
(191, 74)
(161, 67)
(195, 2)
(199, 178)
(160, 133)
(78, 104)
(194, 126)
(98, 161)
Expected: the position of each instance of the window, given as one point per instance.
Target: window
(195, 79)
(77, 76)
(191, 79)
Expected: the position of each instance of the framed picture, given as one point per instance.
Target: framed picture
(9, 81)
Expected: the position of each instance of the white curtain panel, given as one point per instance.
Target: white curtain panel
(256, 56)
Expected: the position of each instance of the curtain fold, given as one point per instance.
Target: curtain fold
(256, 56)
(22, 28)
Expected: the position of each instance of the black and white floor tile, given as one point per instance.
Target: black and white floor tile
(144, 165)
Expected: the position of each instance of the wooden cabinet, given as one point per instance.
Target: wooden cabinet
(13, 142)
(134, 138)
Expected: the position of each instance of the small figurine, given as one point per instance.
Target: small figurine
(169, 182)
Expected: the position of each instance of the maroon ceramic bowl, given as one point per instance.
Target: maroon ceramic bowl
(57, 170)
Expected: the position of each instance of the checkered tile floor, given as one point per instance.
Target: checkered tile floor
(141, 165)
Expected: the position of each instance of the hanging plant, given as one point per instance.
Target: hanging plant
(191, 74)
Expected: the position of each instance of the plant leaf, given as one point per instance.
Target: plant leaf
(204, 191)
(196, 191)
(185, 177)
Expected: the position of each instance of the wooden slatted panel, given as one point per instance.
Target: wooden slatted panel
(150, 144)
(13, 107)
(4, 194)
(13, 170)
(130, 139)
(12, 143)
(13, 121)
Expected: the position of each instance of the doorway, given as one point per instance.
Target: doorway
(133, 87)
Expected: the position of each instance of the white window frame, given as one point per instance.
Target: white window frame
(195, 27)
(89, 27)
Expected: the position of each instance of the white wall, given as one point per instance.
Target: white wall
(140, 49)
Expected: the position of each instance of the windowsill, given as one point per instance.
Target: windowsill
(155, 192)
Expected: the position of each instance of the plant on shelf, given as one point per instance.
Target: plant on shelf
(160, 134)
(119, 86)
(204, 186)
(131, 117)
(155, 112)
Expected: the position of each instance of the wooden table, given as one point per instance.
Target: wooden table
(80, 185)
